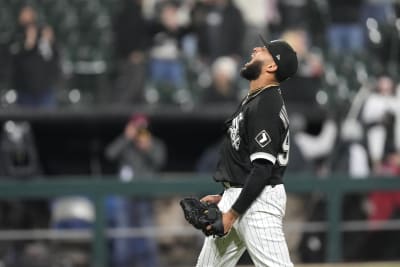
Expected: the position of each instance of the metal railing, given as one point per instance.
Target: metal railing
(334, 188)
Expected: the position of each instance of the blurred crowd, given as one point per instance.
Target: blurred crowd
(82, 53)
(344, 102)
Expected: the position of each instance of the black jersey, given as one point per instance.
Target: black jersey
(259, 129)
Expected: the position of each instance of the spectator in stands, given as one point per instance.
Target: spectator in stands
(35, 61)
(223, 88)
(132, 40)
(18, 153)
(345, 31)
(368, 134)
(220, 29)
(19, 161)
(167, 69)
(139, 155)
(379, 117)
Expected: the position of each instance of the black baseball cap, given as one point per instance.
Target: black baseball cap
(284, 56)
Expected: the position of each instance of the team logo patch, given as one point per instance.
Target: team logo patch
(234, 131)
(263, 138)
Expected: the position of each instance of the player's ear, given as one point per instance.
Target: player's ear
(272, 67)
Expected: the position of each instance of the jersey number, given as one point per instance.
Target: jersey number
(283, 158)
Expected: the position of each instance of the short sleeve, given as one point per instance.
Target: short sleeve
(264, 132)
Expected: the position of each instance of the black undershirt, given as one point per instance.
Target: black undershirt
(255, 183)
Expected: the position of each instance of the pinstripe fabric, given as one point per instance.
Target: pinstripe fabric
(259, 230)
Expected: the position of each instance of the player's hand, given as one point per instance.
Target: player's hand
(228, 219)
(211, 199)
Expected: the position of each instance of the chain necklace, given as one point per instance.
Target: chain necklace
(257, 91)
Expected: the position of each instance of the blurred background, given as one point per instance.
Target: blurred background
(113, 110)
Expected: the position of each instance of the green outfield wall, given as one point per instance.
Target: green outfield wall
(335, 187)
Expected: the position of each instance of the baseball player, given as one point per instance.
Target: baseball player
(254, 156)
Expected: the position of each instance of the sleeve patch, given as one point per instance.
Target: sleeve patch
(263, 138)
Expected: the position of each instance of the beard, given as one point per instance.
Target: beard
(252, 71)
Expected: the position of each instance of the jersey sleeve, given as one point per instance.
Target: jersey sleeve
(264, 132)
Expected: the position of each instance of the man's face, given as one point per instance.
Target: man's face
(259, 59)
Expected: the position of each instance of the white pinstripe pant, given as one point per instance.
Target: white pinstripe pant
(259, 231)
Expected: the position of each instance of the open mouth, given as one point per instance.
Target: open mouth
(250, 60)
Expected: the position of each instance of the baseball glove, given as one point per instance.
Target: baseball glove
(204, 216)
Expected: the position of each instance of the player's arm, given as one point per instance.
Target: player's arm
(255, 183)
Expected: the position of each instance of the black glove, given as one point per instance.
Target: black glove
(203, 215)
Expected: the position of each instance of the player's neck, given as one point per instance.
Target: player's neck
(258, 85)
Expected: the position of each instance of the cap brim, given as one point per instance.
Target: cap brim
(265, 43)
(268, 46)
